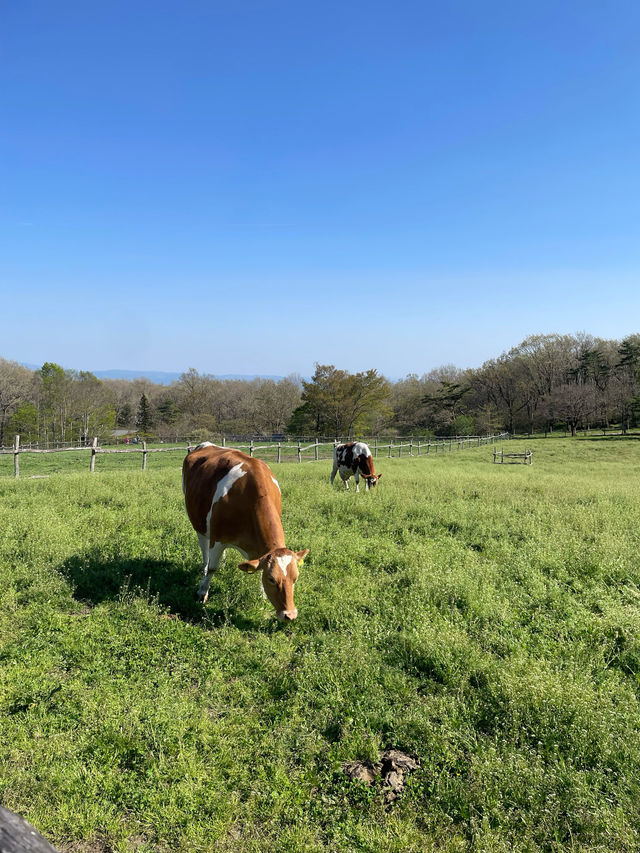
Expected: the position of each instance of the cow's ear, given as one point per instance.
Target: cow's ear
(301, 555)
(249, 566)
(379, 476)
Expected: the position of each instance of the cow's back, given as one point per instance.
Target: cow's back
(354, 455)
(364, 457)
(226, 490)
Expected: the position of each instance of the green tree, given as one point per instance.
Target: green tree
(304, 421)
(445, 403)
(125, 415)
(168, 411)
(325, 399)
(24, 422)
(366, 400)
(15, 387)
(629, 355)
(628, 368)
(337, 403)
(144, 419)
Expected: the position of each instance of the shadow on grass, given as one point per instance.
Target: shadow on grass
(632, 437)
(96, 578)
(580, 437)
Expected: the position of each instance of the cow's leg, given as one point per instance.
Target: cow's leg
(211, 560)
(345, 480)
(357, 476)
(334, 472)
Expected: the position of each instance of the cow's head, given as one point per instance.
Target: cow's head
(279, 575)
(371, 481)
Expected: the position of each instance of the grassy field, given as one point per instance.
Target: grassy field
(483, 618)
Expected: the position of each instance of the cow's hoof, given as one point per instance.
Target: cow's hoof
(202, 598)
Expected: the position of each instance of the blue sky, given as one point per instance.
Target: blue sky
(253, 187)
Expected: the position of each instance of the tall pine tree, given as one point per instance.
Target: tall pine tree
(144, 420)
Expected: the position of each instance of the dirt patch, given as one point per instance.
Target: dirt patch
(391, 770)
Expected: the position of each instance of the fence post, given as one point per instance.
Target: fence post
(251, 448)
(224, 441)
(299, 453)
(400, 449)
(94, 445)
(144, 455)
(279, 452)
(316, 448)
(418, 447)
(375, 449)
(390, 446)
(16, 456)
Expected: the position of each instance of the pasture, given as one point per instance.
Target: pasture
(484, 618)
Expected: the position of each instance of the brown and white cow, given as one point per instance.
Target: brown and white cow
(354, 458)
(234, 501)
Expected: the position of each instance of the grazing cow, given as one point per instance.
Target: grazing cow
(233, 501)
(354, 458)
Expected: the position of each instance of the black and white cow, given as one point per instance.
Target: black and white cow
(354, 459)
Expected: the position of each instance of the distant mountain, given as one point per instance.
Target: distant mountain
(161, 377)
(250, 376)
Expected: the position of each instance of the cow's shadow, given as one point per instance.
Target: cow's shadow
(96, 578)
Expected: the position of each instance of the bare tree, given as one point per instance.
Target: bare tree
(572, 403)
(92, 405)
(503, 387)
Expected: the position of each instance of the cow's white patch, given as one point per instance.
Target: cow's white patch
(226, 483)
(277, 484)
(211, 559)
(223, 488)
(283, 562)
(361, 449)
(204, 444)
(204, 547)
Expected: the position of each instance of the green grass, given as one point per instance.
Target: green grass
(483, 617)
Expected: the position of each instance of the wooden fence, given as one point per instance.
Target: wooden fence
(500, 456)
(280, 451)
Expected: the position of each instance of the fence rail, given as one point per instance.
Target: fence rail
(282, 451)
(500, 456)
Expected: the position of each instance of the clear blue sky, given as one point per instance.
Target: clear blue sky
(252, 187)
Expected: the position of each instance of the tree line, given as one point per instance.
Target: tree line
(545, 382)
